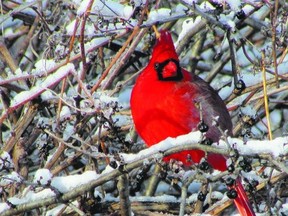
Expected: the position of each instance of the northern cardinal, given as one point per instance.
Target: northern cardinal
(168, 101)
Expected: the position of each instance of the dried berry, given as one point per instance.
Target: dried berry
(245, 165)
(241, 15)
(232, 194)
(231, 168)
(230, 181)
(204, 166)
(113, 164)
(201, 196)
(239, 87)
(206, 141)
(202, 127)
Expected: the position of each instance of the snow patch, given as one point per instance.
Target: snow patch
(43, 177)
(43, 66)
(159, 14)
(193, 137)
(68, 183)
(276, 147)
(6, 161)
(12, 178)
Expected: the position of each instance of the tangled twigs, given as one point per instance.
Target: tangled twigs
(20, 127)
(105, 73)
(67, 69)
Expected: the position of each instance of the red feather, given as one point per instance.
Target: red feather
(165, 103)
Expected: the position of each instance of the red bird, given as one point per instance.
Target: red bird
(166, 101)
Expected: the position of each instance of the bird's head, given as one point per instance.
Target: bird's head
(165, 59)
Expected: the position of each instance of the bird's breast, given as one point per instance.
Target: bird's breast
(168, 111)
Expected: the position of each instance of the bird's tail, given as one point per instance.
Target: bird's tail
(241, 201)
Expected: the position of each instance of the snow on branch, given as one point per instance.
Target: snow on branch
(50, 81)
(275, 148)
(69, 189)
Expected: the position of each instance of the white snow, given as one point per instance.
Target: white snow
(234, 4)
(110, 9)
(284, 209)
(192, 198)
(217, 195)
(249, 111)
(98, 194)
(42, 177)
(225, 92)
(68, 183)
(159, 14)
(31, 196)
(207, 6)
(187, 25)
(106, 99)
(5, 161)
(121, 120)
(96, 42)
(162, 199)
(58, 75)
(194, 187)
(83, 7)
(108, 169)
(193, 137)
(48, 96)
(113, 12)
(70, 28)
(11, 178)
(43, 66)
(227, 19)
(247, 8)
(68, 132)
(4, 207)
(104, 102)
(251, 79)
(276, 147)
(180, 9)
(65, 113)
(35, 91)
(190, 2)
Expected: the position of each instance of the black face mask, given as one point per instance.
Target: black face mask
(160, 67)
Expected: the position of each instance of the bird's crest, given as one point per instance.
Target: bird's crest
(164, 47)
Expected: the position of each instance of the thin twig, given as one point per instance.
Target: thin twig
(124, 57)
(274, 14)
(123, 188)
(265, 95)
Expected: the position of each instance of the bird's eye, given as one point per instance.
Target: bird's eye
(156, 66)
